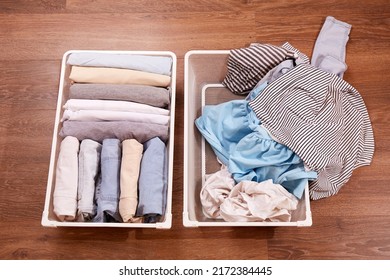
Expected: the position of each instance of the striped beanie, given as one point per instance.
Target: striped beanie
(246, 66)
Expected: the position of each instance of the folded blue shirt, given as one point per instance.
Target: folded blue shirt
(108, 189)
(152, 182)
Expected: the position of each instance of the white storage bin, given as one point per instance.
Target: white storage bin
(49, 218)
(204, 71)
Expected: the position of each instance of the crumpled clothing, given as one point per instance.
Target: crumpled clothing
(215, 190)
(247, 149)
(257, 202)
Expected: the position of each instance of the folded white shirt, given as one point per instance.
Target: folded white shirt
(113, 105)
(101, 115)
(66, 181)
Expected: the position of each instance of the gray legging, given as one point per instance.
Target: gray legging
(330, 47)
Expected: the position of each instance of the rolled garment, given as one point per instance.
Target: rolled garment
(148, 63)
(165, 180)
(122, 130)
(65, 191)
(150, 95)
(152, 183)
(215, 190)
(257, 202)
(113, 105)
(101, 115)
(89, 167)
(108, 192)
(102, 75)
(330, 47)
(130, 167)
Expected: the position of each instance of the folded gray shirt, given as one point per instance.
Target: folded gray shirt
(150, 95)
(89, 166)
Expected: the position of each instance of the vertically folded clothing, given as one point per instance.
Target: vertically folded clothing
(330, 47)
(130, 167)
(150, 95)
(101, 75)
(152, 181)
(113, 105)
(323, 119)
(107, 195)
(103, 115)
(66, 181)
(257, 202)
(89, 168)
(122, 130)
(148, 63)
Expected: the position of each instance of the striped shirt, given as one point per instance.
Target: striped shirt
(246, 66)
(323, 119)
(300, 57)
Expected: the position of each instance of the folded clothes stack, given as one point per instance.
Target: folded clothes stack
(112, 163)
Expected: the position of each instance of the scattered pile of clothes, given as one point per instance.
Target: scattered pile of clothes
(300, 124)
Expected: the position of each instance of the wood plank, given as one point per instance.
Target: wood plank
(29, 84)
(32, 6)
(49, 36)
(156, 7)
(37, 242)
(334, 237)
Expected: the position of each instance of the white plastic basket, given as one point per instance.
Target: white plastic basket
(48, 217)
(204, 72)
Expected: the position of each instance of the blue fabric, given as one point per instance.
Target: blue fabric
(108, 189)
(223, 126)
(152, 183)
(257, 157)
(246, 148)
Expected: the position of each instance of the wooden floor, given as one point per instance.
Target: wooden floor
(354, 224)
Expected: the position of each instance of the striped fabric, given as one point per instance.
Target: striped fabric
(323, 119)
(246, 66)
(301, 57)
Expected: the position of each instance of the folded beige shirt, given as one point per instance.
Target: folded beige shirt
(103, 75)
(131, 160)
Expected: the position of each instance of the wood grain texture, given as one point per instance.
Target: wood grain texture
(354, 224)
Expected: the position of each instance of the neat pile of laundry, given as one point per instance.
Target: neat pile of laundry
(112, 162)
